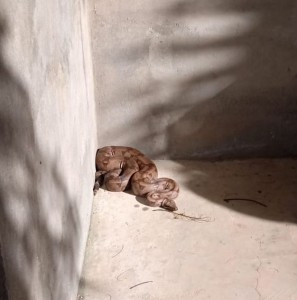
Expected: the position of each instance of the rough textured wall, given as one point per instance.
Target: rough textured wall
(47, 150)
(197, 79)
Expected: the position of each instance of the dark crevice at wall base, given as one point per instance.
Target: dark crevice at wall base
(3, 291)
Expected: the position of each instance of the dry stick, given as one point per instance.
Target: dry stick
(244, 199)
(185, 216)
(118, 252)
(204, 219)
(132, 287)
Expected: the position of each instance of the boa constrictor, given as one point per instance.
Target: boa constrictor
(120, 166)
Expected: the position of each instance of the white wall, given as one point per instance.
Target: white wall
(48, 144)
(197, 79)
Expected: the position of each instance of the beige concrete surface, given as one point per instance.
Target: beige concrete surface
(196, 79)
(239, 250)
(47, 149)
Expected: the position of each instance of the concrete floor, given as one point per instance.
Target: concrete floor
(238, 250)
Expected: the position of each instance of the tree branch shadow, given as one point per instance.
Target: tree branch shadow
(226, 89)
(40, 232)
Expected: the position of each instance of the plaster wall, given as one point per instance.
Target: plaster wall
(197, 79)
(47, 149)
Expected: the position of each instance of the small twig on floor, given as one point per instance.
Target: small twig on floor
(118, 252)
(202, 219)
(244, 199)
(132, 287)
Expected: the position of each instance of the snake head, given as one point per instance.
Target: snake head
(169, 205)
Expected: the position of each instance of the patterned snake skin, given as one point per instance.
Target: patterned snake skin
(119, 166)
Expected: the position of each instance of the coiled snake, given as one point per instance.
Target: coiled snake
(120, 166)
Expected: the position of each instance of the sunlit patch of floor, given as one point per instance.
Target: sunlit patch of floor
(241, 242)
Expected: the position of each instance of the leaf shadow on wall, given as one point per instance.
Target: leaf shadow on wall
(243, 106)
(35, 257)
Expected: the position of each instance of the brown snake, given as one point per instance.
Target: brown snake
(120, 166)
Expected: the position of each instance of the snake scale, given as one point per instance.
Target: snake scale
(123, 167)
